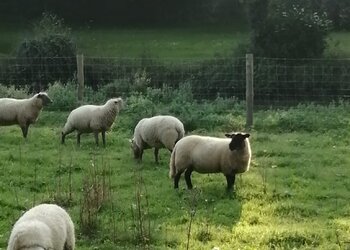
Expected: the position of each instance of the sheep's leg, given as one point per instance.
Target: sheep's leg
(140, 155)
(25, 130)
(156, 151)
(96, 138)
(103, 133)
(230, 182)
(62, 138)
(78, 138)
(188, 173)
(176, 180)
(68, 246)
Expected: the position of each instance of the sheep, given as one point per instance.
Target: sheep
(156, 132)
(92, 119)
(45, 226)
(205, 154)
(22, 111)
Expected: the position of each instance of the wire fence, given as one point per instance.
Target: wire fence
(277, 82)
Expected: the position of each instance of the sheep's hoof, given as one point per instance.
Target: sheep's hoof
(231, 193)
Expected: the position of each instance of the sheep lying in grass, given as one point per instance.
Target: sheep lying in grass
(204, 154)
(43, 227)
(92, 119)
(156, 132)
(22, 111)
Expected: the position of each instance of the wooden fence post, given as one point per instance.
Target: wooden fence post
(80, 76)
(249, 89)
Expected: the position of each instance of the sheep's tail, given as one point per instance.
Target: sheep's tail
(172, 169)
(180, 133)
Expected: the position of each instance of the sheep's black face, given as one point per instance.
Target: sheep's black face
(135, 149)
(44, 98)
(237, 142)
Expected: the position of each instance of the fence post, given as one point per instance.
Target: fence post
(249, 67)
(80, 76)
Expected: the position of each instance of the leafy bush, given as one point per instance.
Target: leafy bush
(64, 96)
(305, 117)
(220, 113)
(12, 92)
(291, 31)
(49, 56)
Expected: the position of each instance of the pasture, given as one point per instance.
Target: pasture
(295, 196)
(193, 42)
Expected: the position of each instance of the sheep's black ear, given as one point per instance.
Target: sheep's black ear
(229, 135)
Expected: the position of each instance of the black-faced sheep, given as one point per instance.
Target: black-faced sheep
(22, 111)
(156, 132)
(43, 227)
(205, 154)
(92, 119)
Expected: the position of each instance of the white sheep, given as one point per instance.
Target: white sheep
(156, 132)
(205, 154)
(92, 119)
(22, 111)
(43, 227)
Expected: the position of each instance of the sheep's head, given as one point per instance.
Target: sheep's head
(116, 102)
(135, 148)
(43, 96)
(237, 142)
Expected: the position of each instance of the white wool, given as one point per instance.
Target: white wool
(92, 118)
(206, 154)
(161, 131)
(45, 226)
(22, 111)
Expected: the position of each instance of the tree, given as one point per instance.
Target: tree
(49, 56)
(288, 29)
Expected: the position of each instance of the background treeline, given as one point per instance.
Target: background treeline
(161, 12)
(130, 12)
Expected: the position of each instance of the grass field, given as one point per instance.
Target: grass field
(162, 42)
(295, 196)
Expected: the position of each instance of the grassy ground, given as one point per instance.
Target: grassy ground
(162, 42)
(175, 42)
(187, 42)
(295, 196)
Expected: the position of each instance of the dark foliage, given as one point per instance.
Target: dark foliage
(45, 60)
(289, 31)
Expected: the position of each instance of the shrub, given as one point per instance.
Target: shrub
(49, 56)
(64, 96)
(291, 32)
(12, 92)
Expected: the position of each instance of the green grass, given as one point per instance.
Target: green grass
(296, 194)
(339, 44)
(164, 42)
(173, 42)
(177, 43)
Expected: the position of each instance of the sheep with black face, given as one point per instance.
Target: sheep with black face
(204, 154)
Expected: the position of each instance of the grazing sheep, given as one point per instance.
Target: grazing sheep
(205, 154)
(92, 119)
(22, 111)
(156, 132)
(43, 227)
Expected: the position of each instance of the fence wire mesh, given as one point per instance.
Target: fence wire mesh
(277, 82)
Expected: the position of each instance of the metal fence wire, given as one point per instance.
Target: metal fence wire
(277, 82)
